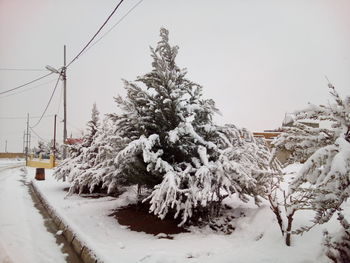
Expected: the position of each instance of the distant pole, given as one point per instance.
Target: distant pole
(54, 140)
(6, 146)
(64, 104)
(24, 142)
(27, 139)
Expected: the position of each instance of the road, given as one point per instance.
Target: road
(27, 234)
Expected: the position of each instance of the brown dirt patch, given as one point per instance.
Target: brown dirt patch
(137, 218)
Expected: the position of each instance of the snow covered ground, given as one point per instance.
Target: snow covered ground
(256, 238)
(23, 236)
(6, 163)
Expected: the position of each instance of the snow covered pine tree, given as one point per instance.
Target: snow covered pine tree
(188, 164)
(81, 156)
(99, 161)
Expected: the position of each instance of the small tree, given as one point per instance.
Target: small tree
(96, 173)
(323, 183)
(81, 156)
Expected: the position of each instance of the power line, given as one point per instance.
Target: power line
(70, 124)
(41, 138)
(116, 24)
(19, 92)
(20, 69)
(98, 31)
(53, 92)
(22, 118)
(25, 84)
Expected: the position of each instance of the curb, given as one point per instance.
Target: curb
(85, 253)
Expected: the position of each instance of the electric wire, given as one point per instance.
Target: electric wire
(98, 31)
(41, 138)
(22, 91)
(70, 124)
(116, 24)
(53, 92)
(21, 69)
(24, 118)
(25, 84)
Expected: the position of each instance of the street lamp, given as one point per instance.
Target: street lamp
(52, 69)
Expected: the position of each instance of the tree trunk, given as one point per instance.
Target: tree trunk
(139, 191)
(277, 211)
(289, 228)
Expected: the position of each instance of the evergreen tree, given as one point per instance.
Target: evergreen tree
(81, 156)
(95, 173)
(92, 127)
(189, 164)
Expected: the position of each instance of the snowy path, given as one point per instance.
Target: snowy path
(7, 166)
(23, 236)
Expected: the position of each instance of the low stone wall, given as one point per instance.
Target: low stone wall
(12, 155)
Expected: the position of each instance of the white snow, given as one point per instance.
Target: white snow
(23, 236)
(257, 237)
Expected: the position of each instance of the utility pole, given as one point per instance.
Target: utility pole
(27, 146)
(64, 69)
(6, 146)
(64, 75)
(24, 142)
(54, 140)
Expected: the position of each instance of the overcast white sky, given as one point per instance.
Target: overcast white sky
(258, 59)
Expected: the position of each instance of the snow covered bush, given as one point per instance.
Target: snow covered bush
(337, 246)
(326, 174)
(188, 163)
(323, 183)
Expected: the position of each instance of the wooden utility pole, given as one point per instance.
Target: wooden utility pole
(54, 140)
(64, 103)
(24, 142)
(27, 146)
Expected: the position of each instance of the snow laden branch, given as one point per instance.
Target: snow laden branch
(323, 183)
(337, 245)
